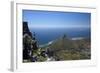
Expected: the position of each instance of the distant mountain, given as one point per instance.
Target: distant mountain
(65, 43)
(62, 43)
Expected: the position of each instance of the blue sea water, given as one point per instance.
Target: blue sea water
(44, 36)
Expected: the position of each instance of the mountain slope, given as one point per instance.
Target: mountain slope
(63, 43)
(64, 48)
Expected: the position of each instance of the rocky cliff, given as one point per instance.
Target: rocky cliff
(29, 43)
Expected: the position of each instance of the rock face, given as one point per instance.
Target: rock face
(29, 43)
(31, 50)
(26, 29)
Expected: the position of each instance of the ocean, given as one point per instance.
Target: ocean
(44, 36)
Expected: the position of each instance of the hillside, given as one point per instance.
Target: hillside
(64, 48)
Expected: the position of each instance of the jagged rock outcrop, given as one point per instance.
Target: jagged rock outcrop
(29, 43)
(26, 29)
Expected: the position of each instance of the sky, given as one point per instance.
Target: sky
(54, 19)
